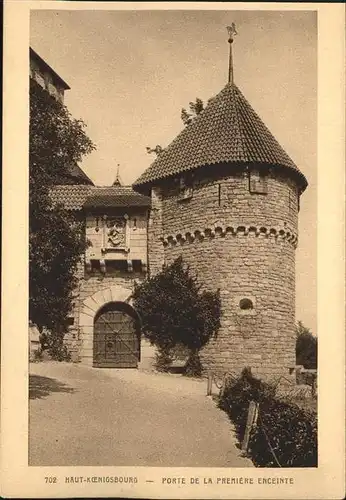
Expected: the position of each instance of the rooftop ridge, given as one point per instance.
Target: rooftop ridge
(77, 196)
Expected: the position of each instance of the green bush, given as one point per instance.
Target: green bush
(193, 366)
(53, 344)
(306, 347)
(291, 430)
(37, 356)
(175, 311)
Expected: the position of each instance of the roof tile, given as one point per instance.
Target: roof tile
(76, 197)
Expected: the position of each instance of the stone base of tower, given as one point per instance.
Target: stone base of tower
(234, 353)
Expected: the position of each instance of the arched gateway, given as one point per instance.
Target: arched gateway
(109, 329)
(116, 336)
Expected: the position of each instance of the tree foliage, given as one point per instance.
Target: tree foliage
(174, 309)
(157, 150)
(56, 239)
(306, 347)
(195, 109)
(291, 430)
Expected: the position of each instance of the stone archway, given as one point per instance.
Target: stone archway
(91, 305)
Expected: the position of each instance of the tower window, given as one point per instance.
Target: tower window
(245, 304)
(185, 187)
(258, 182)
(292, 200)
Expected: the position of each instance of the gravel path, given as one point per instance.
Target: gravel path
(88, 416)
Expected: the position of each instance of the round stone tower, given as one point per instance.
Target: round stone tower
(225, 196)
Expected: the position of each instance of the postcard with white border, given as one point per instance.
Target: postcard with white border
(173, 251)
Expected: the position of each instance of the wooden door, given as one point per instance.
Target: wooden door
(116, 337)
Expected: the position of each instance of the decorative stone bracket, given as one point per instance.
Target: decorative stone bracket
(267, 232)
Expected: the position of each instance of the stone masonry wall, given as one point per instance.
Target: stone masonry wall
(87, 287)
(243, 243)
(235, 205)
(260, 268)
(155, 248)
(88, 284)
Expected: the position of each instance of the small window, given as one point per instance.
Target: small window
(292, 200)
(39, 79)
(185, 187)
(258, 182)
(116, 266)
(95, 266)
(137, 266)
(245, 304)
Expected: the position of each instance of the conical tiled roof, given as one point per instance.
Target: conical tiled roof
(227, 131)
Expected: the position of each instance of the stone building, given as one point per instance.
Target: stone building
(43, 75)
(46, 77)
(104, 328)
(225, 196)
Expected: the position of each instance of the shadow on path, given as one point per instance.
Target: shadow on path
(41, 387)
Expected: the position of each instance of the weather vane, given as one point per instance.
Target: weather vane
(231, 34)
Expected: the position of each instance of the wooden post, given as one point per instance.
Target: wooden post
(210, 384)
(223, 386)
(251, 416)
(314, 387)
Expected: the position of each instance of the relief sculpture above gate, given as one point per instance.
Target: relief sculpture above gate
(115, 232)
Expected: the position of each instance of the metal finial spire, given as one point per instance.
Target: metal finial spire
(231, 34)
(117, 181)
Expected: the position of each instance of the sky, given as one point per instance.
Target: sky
(131, 73)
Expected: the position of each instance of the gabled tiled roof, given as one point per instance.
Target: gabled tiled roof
(72, 197)
(76, 197)
(116, 196)
(227, 131)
